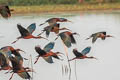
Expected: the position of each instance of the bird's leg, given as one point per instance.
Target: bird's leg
(56, 38)
(36, 59)
(8, 71)
(11, 76)
(15, 41)
(72, 59)
(41, 33)
(42, 23)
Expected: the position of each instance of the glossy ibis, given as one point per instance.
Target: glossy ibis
(27, 33)
(46, 53)
(101, 35)
(55, 20)
(53, 28)
(67, 38)
(5, 11)
(82, 55)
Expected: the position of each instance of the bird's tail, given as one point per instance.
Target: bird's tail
(36, 59)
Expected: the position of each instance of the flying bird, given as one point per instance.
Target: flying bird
(16, 61)
(19, 69)
(46, 53)
(5, 11)
(82, 55)
(27, 33)
(67, 38)
(53, 28)
(97, 35)
(55, 20)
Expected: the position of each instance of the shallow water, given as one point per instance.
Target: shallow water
(105, 68)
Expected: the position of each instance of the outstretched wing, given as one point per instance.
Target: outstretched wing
(39, 50)
(3, 61)
(49, 46)
(86, 50)
(72, 39)
(48, 29)
(48, 59)
(24, 75)
(76, 53)
(94, 39)
(66, 39)
(22, 30)
(31, 28)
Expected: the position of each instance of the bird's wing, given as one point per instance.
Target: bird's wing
(6, 51)
(3, 60)
(94, 39)
(5, 12)
(22, 30)
(48, 59)
(39, 50)
(49, 46)
(31, 28)
(77, 54)
(86, 50)
(48, 29)
(24, 75)
(72, 39)
(15, 63)
(66, 39)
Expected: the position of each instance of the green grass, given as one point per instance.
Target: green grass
(64, 8)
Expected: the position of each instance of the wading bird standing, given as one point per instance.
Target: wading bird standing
(27, 33)
(55, 20)
(67, 38)
(53, 28)
(101, 35)
(46, 53)
(5, 11)
(82, 55)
